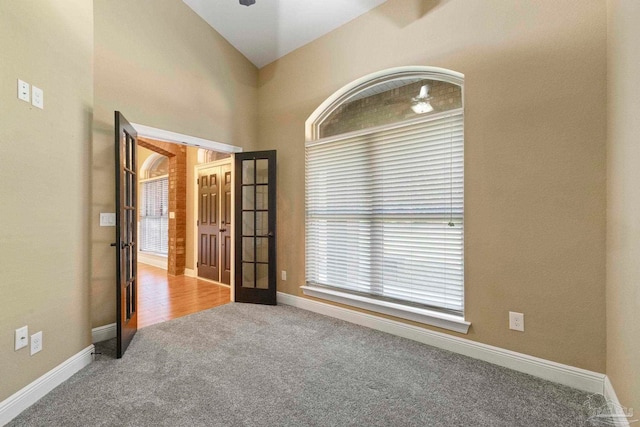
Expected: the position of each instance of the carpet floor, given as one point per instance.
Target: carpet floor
(249, 365)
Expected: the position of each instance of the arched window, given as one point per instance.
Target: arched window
(384, 196)
(154, 205)
(208, 156)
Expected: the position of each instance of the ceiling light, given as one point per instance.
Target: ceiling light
(420, 104)
(247, 2)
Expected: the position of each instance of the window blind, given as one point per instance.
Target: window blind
(154, 216)
(384, 212)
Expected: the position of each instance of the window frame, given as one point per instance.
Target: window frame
(149, 166)
(434, 317)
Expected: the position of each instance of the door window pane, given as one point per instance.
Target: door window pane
(247, 249)
(262, 281)
(247, 224)
(262, 197)
(262, 223)
(248, 279)
(248, 202)
(262, 249)
(248, 171)
(262, 171)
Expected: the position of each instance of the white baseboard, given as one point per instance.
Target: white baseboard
(22, 399)
(620, 418)
(103, 333)
(153, 260)
(189, 272)
(581, 379)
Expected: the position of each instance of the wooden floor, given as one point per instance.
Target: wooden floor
(163, 297)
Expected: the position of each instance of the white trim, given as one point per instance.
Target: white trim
(581, 379)
(620, 419)
(189, 272)
(155, 178)
(179, 138)
(153, 260)
(103, 333)
(12, 406)
(429, 317)
(213, 282)
(357, 86)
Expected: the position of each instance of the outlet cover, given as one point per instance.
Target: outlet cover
(37, 97)
(516, 321)
(36, 342)
(22, 337)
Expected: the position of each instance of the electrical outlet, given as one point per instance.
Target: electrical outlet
(284, 275)
(516, 321)
(22, 337)
(36, 342)
(37, 97)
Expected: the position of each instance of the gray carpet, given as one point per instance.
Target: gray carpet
(248, 365)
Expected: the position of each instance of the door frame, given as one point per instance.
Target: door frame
(194, 141)
(222, 162)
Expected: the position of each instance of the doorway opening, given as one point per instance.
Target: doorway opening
(168, 218)
(253, 210)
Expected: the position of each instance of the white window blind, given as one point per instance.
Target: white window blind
(384, 212)
(154, 216)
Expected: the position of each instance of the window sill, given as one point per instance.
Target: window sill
(421, 315)
(155, 254)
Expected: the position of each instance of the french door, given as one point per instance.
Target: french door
(255, 231)
(126, 233)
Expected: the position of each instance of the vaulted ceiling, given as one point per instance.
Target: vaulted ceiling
(269, 29)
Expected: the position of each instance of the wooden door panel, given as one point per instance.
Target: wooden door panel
(208, 229)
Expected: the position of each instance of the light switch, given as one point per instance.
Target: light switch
(172, 215)
(37, 97)
(107, 219)
(24, 91)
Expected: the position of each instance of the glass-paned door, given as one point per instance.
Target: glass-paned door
(255, 200)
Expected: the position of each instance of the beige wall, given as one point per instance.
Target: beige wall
(44, 171)
(623, 200)
(161, 65)
(535, 154)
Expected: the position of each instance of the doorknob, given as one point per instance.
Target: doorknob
(114, 244)
(270, 234)
(222, 230)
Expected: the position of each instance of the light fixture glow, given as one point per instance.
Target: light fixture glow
(421, 104)
(422, 107)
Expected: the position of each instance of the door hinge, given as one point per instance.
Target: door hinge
(197, 264)
(197, 222)
(198, 181)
